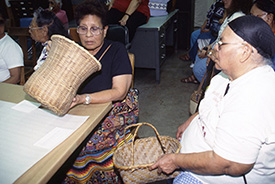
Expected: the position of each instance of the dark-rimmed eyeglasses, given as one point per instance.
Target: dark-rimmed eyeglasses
(82, 30)
(33, 28)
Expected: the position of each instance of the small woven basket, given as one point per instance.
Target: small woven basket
(56, 82)
(134, 159)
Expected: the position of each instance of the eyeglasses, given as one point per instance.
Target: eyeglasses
(220, 44)
(33, 28)
(261, 15)
(82, 30)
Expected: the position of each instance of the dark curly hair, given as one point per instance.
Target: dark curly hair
(48, 18)
(266, 6)
(91, 7)
(240, 5)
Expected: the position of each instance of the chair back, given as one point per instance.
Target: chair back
(118, 33)
(23, 36)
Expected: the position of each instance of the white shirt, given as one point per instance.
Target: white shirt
(239, 126)
(11, 56)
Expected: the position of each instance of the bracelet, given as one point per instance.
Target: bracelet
(87, 99)
(127, 14)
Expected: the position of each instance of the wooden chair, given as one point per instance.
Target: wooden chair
(74, 36)
(23, 35)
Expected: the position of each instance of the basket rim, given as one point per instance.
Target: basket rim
(141, 166)
(78, 46)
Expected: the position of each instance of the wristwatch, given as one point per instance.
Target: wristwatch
(87, 99)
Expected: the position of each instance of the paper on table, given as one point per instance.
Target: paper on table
(26, 106)
(21, 132)
(54, 138)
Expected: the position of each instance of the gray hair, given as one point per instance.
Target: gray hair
(60, 3)
(261, 60)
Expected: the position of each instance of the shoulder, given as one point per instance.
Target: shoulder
(235, 15)
(10, 44)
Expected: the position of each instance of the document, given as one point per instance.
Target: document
(28, 133)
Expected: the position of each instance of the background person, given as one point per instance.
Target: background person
(234, 9)
(55, 7)
(111, 84)
(233, 133)
(11, 57)
(129, 13)
(265, 9)
(45, 24)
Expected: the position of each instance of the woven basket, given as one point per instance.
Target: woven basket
(56, 82)
(134, 159)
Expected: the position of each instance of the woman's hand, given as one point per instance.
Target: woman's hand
(78, 99)
(202, 54)
(165, 164)
(124, 19)
(48, 47)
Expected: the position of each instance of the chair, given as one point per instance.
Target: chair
(23, 35)
(122, 37)
(118, 33)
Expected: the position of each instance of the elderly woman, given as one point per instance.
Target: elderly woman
(55, 7)
(265, 9)
(234, 9)
(94, 164)
(231, 138)
(45, 24)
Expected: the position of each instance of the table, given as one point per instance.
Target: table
(151, 39)
(43, 170)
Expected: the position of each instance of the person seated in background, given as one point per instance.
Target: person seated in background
(45, 24)
(231, 138)
(111, 84)
(265, 9)
(11, 57)
(129, 13)
(209, 30)
(55, 7)
(234, 9)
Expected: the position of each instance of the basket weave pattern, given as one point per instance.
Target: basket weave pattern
(56, 82)
(133, 165)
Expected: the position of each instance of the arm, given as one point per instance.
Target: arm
(15, 74)
(134, 4)
(205, 163)
(120, 87)
(111, 4)
(203, 27)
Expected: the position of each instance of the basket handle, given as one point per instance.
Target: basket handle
(138, 125)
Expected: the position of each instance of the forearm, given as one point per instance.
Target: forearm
(134, 4)
(109, 95)
(209, 163)
(15, 74)
(12, 80)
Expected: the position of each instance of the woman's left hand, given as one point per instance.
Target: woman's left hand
(78, 99)
(124, 19)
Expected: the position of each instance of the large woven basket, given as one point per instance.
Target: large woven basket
(56, 82)
(134, 159)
